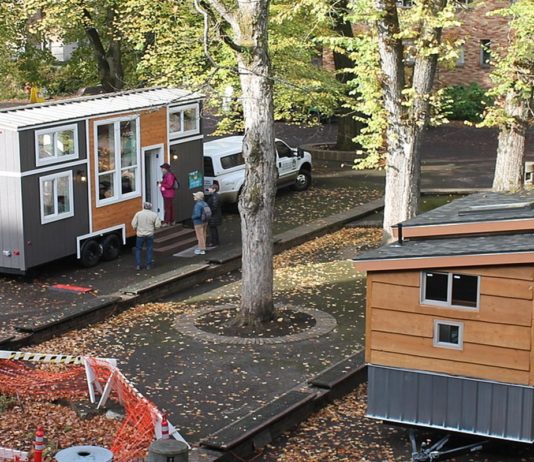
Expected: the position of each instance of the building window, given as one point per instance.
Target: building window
(404, 3)
(117, 160)
(184, 121)
(448, 334)
(485, 52)
(460, 61)
(56, 192)
(450, 289)
(54, 145)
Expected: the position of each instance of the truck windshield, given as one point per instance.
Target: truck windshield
(208, 167)
(233, 160)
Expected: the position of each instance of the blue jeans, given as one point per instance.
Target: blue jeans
(140, 241)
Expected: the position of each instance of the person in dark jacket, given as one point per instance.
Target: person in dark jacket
(214, 201)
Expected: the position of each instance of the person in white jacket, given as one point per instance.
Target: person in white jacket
(145, 222)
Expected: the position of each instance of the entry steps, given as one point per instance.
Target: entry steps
(173, 239)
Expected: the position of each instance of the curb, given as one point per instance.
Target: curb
(341, 379)
(175, 281)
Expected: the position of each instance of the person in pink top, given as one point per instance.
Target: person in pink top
(168, 187)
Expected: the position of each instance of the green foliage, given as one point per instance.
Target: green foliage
(366, 85)
(465, 102)
(514, 66)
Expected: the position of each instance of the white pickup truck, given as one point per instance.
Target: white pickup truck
(224, 164)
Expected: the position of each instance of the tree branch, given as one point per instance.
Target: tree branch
(208, 14)
(224, 13)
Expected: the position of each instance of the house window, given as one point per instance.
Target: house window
(450, 289)
(485, 52)
(117, 160)
(460, 61)
(56, 192)
(404, 3)
(54, 145)
(183, 121)
(448, 334)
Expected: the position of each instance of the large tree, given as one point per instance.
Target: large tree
(409, 45)
(244, 29)
(513, 78)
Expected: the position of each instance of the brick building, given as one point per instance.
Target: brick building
(482, 34)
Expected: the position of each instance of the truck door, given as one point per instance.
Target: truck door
(286, 161)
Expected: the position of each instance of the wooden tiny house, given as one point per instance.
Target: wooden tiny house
(449, 320)
(74, 172)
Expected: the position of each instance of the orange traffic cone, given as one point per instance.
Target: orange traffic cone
(164, 428)
(38, 445)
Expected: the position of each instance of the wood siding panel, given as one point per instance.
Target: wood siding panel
(523, 272)
(400, 278)
(412, 324)
(498, 374)
(153, 130)
(472, 353)
(511, 288)
(498, 310)
(368, 317)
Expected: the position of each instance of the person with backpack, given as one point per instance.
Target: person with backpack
(168, 187)
(201, 216)
(214, 202)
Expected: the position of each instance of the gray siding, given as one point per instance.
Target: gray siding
(9, 154)
(478, 407)
(50, 241)
(190, 159)
(11, 233)
(27, 146)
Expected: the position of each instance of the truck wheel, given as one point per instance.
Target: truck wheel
(111, 247)
(303, 181)
(90, 254)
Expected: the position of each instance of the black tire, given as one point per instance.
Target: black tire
(111, 247)
(303, 181)
(90, 253)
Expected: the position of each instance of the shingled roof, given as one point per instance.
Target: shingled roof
(464, 233)
(491, 206)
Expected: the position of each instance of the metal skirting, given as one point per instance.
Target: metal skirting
(479, 407)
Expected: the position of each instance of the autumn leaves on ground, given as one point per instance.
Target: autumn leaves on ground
(299, 270)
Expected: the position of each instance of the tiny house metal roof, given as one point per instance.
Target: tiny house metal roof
(56, 112)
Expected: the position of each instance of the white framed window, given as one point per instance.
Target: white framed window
(183, 120)
(448, 334)
(460, 61)
(450, 289)
(57, 197)
(117, 160)
(57, 144)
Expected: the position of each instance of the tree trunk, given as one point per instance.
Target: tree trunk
(256, 202)
(406, 123)
(109, 62)
(347, 128)
(509, 168)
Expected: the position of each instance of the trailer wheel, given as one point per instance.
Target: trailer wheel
(111, 247)
(90, 253)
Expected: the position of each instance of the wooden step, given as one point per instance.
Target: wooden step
(168, 230)
(176, 246)
(166, 239)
